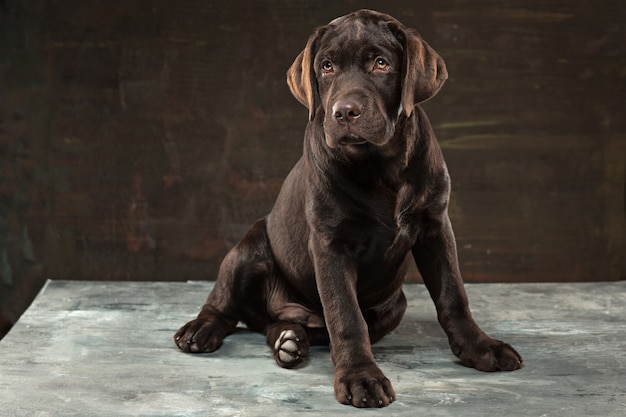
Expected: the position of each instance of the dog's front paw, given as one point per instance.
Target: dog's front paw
(201, 335)
(363, 388)
(488, 355)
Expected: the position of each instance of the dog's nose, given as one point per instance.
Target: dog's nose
(346, 111)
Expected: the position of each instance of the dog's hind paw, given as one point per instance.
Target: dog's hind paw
(489, 355)
(290, 348)
(202, 335)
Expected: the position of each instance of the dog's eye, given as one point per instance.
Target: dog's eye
(381, 64)
(327, 66)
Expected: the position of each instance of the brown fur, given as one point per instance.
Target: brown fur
(328, 262)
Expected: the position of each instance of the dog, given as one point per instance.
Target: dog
(371, 190)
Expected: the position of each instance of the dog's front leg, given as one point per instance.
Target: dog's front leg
(436, 258)
(358, 380)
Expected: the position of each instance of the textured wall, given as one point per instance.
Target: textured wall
(140, 139)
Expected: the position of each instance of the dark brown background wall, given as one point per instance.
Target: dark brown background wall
(140, 139)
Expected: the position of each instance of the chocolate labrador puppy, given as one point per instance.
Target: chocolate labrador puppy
(327, 264)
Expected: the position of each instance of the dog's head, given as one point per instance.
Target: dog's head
(364, 70)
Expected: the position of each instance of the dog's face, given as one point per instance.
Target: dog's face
(363, 71)
(357, 70)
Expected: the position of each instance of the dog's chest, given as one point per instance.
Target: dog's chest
(363, 222)
(362, 207)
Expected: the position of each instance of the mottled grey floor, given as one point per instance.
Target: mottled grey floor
(105, 349)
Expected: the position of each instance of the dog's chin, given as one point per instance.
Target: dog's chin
(348, 141)
(352, 140)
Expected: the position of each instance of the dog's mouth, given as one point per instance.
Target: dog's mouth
(352, 140)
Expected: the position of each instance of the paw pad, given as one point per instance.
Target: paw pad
(287, 349)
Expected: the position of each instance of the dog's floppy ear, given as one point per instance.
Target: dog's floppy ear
(301, 75)
(424, 71)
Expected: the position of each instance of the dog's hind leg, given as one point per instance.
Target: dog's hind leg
(436, 259)
(239, 292)
(381, 321)
(289, 343)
